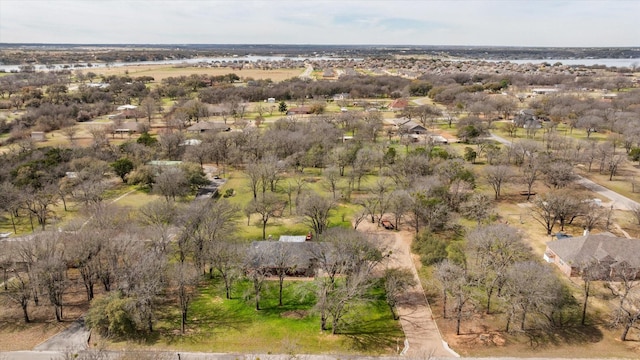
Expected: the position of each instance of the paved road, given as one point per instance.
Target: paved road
(113, 355)
(619, 202)
(73, 338)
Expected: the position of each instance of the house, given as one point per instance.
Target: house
(38, 136)
(398, 104)
(301, 260)
(527, 119)
(126, 128)
(300, 110)
(207, 126)
(409, 126)
(543, 91)
(611, 253)
(126, 107)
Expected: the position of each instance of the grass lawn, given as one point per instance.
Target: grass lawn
(289, 223)
(220, 325)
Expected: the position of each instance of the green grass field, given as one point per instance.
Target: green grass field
(220, 325)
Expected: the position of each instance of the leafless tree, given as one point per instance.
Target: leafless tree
(172, 182)
(83, 251)
(19, 290)
(590, 271)
(225, 257)
(496, 176)
(316, 210)
(624, 285)
(396, 283)
(477, 207)
(39, 203)
(159, 216)
(256, 268)
(399, 205)
(268, 206)
(184, 280)
(530, 288)
(347, 253)
(496, 248)
(10, 201)
(455, 283)
(331, 178)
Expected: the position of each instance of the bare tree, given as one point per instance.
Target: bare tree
(184, 279)
(624, 285)
(256, 269)
(268, 206)
(396, 283)
(331, 178)
(19, 291)
(498, 175)
(496, 247)
(455, 283)
(225, 257)
(10, 201)
(316, 210)
(172, 182)
(530, 288)
(281, 256)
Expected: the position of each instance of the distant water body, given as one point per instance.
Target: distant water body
(584, 62)
(243, 59)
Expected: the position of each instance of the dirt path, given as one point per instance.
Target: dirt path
(421, 331)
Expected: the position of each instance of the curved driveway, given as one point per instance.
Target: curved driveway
(619, 201)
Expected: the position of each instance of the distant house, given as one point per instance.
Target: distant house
(409, 126)
(612, 254)
(398, 104)
(544, 91)
(126, 107)
(329, 73)
(126, 128)
(207, 126)
(38, 136)
(341, 96)
(300, 110)
(527, 119)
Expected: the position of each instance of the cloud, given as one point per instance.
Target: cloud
(420, 22)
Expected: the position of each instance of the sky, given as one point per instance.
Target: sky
(571, 23)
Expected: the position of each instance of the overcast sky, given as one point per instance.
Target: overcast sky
(417, 22)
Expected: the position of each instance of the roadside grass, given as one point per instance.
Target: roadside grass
(217, 324)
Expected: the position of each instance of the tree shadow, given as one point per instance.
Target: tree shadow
(568, 335)
(372, 335)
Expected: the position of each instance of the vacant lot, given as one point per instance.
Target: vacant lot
(160, 72)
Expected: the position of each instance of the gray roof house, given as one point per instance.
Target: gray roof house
(611, 253)
(204, 126)
(302, 259)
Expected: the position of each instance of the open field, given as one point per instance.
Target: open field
(220, 325)
(160, 72)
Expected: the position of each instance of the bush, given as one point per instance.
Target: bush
(431, 249)
(228, 193)
(110, 316)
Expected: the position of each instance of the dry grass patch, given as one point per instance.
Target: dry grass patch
(160, 72)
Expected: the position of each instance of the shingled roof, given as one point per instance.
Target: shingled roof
(600, 247)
